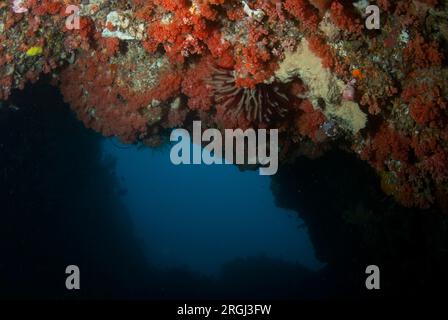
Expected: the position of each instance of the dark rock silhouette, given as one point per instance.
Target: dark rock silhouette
(353, 225)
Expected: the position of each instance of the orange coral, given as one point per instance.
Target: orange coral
(322, 50)
(345, 19)
(422, 54)
(310, 121)
(303, 11)
(194, 86)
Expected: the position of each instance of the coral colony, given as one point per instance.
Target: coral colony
(365, 76)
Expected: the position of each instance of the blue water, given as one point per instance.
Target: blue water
(199, 217)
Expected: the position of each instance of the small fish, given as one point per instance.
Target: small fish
(34, 51)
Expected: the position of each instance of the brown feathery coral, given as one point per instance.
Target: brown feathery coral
(260, 104)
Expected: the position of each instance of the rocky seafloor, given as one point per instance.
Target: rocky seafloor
(136, 69)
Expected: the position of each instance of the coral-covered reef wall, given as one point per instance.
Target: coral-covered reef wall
(135, 69)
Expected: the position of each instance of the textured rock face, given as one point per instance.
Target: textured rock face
(135, 69)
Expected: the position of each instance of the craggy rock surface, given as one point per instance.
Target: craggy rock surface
(135, 69)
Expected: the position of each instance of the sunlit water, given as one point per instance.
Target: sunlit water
(199, 217)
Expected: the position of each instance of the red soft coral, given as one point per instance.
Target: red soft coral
(310, 121)
(344, 18)
(195, 87)
(422, 54)
(303, 11)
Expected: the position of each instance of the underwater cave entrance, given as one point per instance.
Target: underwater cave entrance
(201, 217)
